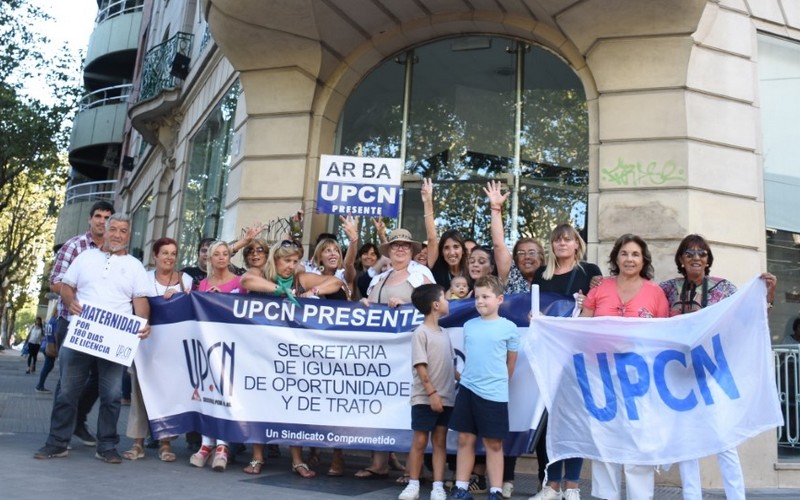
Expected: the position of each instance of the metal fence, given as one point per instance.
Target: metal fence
(157, 73)
(91, 191)
(110, 9)
(788, 381)
(109, 95)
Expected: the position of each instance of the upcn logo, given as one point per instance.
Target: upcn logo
(210, 370)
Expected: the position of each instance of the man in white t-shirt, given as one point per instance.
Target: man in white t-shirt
(117, 281)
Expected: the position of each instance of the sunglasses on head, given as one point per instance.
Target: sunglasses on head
(695, 253)
(289, 243)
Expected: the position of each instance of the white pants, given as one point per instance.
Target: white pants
(729, 468)
(607, 481)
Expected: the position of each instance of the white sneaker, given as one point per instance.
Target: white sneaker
(438, 494)
(410, 493)
(572, 494)
(547, 493)
(508, 489)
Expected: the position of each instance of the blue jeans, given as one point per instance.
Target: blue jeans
(572, 470)
(75, 370)
(49, 363)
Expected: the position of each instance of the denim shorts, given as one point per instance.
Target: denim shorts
(484, 418)
(424, 419)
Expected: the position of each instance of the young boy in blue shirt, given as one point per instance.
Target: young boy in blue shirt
(490, 346)
(433, 390)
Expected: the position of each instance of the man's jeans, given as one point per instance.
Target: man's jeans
(75, 368)
(49, 363)
(90, 391)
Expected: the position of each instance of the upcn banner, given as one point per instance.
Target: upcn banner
(359, 186)
(249, 368)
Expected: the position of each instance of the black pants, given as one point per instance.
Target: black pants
(33, 353)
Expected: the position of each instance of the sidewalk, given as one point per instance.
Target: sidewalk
(24, 423)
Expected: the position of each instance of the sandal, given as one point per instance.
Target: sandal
(403, 479)
(303, 471)
(135, 453)
(337, 466)
(367, 473)
(165, 453)
(254, 467)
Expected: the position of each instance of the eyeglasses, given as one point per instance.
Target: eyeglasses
(528, 253)
(695, 253)
(400, 244)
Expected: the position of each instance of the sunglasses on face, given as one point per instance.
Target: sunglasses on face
(695, 253)
(249, 251)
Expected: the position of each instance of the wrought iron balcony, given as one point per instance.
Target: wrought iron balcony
(110, 9)
(158, 65)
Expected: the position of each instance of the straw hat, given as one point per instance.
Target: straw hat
(398, 235)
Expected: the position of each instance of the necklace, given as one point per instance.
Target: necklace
(167, 286)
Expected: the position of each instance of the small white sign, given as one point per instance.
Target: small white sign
(359, 186)
(105, 334)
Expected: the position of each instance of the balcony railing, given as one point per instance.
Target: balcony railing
(787, 375)
(113, 8)
(104, 97)
(91, 191)
(157, 75)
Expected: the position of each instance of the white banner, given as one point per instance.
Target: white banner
(657, 391)
(359, 186)
(249, 368)
(105, 334)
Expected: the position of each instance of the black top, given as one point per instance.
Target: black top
(567, 284)
(441, 273)
(196, 274)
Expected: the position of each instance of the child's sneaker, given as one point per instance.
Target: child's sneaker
(438, 494)
(460, 494)
(508, 489)
(495, 495)
(572, 494)
(411, 492)
(547, 493)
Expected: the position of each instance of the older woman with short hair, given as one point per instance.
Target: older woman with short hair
(694, 290)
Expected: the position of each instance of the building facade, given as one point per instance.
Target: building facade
(659, 118)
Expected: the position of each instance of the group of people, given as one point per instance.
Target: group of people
(397, 270)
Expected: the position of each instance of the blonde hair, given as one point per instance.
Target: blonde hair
(321, 247)
(279, 250)
(219, 243)
(551, 263)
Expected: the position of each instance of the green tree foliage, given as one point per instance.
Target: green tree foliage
(33, 136)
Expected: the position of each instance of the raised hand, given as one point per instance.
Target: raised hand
(350, 226)
(495, 193)
(426, 191)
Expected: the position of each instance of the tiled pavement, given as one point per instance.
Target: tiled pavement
(24, 422)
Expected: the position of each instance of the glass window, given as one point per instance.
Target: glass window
(478, 108)
(207, 177)
(779, 74)
(138, 228)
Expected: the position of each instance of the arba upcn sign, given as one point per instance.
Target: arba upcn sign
(359, 186)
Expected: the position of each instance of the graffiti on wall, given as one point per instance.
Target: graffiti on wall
(643, 174)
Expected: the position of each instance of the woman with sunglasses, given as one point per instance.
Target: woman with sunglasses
(517, 268)
(694, 290)
(277, 277)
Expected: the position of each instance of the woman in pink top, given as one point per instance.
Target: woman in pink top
(221, 280)
(629, 293)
